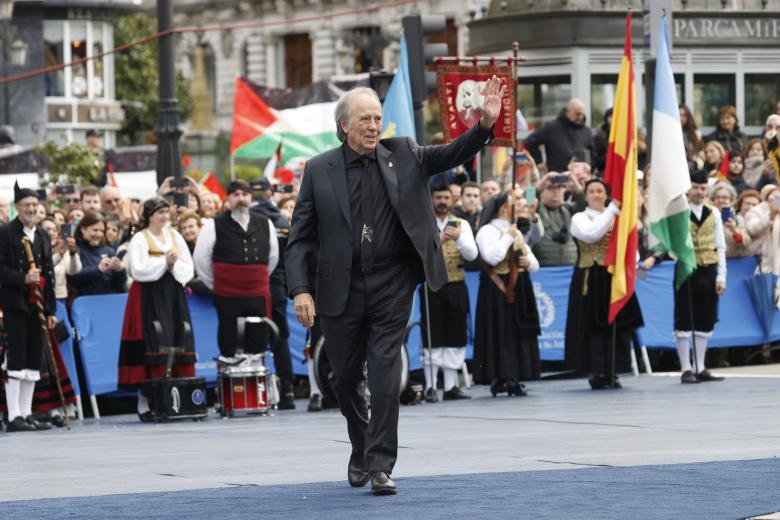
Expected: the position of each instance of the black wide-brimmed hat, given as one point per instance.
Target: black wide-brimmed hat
(22, 193)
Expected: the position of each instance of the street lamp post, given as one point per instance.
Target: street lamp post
(168, 131)
(6, 13)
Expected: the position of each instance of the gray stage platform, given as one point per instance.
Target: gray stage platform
(561, 425)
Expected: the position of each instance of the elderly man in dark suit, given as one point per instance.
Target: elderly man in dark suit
(24, 357)
(367, 206)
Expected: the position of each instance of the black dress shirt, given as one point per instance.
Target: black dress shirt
(391, 244)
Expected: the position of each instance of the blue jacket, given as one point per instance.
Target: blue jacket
(90, 280)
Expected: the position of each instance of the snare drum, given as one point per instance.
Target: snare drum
(243, 389)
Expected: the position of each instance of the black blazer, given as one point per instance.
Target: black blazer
(14, 292)
(322, 214)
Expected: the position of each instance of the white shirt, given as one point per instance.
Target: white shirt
(493, 242)
(590, 225)
(720, 239)
(143, 267)
(204, 249)
(466, 245)
(29, 232)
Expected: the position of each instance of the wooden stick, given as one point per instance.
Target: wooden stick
(26, 244)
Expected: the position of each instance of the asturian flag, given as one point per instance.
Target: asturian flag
(621, 176)
(667, 202)
(397, 114)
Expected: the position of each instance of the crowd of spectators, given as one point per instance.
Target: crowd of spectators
(91, 227)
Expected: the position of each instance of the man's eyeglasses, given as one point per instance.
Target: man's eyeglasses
(71, 200)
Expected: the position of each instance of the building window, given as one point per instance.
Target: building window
(368, 44)
(542, 98)
(78, 50)
(68, 41)
(98, 69)
(602, 96)
(53, 54)
(297, 60)
(710, 92)
(762, 91)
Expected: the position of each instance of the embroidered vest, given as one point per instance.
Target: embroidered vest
(595, 253)
(456, 271)
(703, 236)
(153, 249)
(520, 247)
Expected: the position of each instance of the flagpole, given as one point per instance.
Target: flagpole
(513, 260)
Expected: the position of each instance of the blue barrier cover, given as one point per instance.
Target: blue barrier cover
(98, 320)
(66, 348)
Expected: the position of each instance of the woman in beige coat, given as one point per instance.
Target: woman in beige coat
(763, 224)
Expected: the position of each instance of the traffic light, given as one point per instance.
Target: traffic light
(420, 54)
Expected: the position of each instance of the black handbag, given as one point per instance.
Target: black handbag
(61, 332)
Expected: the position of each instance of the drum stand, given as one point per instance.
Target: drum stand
(243, 382)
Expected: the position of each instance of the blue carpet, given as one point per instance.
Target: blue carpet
(712, 490)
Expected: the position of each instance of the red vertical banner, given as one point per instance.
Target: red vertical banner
(460, 90)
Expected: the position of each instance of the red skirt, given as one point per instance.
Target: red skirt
(140, 357)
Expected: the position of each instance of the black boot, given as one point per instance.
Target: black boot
(287, 397)
(19, 425)
(497, 387)
(38, 425)
(515, 388)
(315, 403)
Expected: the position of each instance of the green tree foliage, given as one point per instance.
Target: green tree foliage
(81, 164)
(137, 79)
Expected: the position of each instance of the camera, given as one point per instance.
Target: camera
(179, 183)
(66, 190)
(283, 188)
(561, 236)
(523, 225)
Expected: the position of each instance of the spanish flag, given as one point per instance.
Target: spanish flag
(621, 167)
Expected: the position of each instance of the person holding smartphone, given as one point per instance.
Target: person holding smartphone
(556, 247)
(763, 224)
(449, 306)
(102, 271)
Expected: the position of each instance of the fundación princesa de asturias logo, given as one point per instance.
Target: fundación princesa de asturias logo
(544, 305)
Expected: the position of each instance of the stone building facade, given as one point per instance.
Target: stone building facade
(302, 41)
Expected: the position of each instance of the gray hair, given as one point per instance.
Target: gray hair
(343, 110)
(720, 185)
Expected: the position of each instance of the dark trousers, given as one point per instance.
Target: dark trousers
(280, 347)
(25, 340)
(371, 330)
(229, 310)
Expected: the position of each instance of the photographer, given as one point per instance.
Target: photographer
(556, 247)
(262, 193)
(65, 258)
(180, 193)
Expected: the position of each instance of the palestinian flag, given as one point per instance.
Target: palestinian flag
(259, 129)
